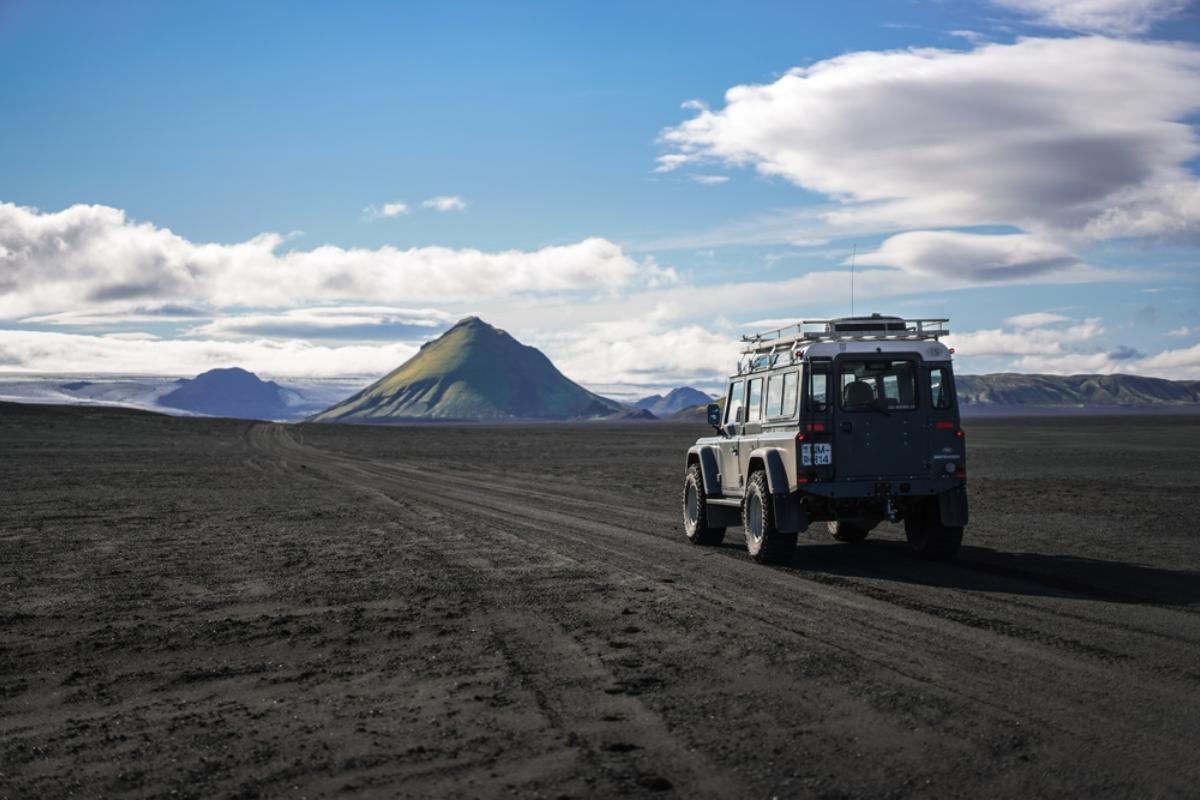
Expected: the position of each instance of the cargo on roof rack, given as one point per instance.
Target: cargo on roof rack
(874, 327)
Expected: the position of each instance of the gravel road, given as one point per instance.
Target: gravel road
(212, 608)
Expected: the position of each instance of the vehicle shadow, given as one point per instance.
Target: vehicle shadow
(987, 570)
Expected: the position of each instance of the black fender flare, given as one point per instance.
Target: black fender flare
(772, 461)
(790, 516)
(706, 455)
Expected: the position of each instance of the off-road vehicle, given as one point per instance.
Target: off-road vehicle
(848, 421)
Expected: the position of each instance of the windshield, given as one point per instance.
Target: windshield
(887, 385)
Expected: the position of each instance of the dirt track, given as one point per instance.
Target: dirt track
(216, 608)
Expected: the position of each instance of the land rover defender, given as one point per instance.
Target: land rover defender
(849, 422)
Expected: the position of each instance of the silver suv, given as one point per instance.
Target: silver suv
(849, 421)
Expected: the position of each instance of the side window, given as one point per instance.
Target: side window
(818, 391)
(775, 396)
(754, 400)
(939, 387)
(791, 382)
(734, 404)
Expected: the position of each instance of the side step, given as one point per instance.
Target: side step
(723, 501)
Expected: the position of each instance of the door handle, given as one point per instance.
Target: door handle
(847, 427)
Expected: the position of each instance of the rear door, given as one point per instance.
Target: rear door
(877, 424)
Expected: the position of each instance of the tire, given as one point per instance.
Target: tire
(928, 537)
(695, 511)
(845, 531)
(763, 540)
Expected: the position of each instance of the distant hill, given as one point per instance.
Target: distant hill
(675, 400)
(473, 372)
(1015, 390)
(231, 392)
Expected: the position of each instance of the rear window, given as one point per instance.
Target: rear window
(818, 390)
(880, 384)
(939, 388)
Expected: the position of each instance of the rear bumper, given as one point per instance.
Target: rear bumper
(883, 487)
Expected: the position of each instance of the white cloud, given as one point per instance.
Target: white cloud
(48, 352)
(1035, 319)
(385, 211)
(1182, 364)
(1024, 343)
(1085, 136)
(710, 180)
(1179, 332)
(972, 37)
(445, 203)
(342, 322)
(973, 257)
(640, 351)
(1118, 17)
(91, 258)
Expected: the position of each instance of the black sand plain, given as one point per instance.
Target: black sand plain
(209, 608)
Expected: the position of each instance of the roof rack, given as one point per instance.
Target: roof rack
(768, 345)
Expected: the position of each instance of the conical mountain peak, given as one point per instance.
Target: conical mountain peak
(472, 371)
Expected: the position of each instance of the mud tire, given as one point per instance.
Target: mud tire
(845, 531)
(765, 543)
(928, 537)
(695, 519)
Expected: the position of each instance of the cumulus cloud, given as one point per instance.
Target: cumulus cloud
(1087, 136)
(445, 203)
(1035, 319)
(93, 258)
(1026, 342)
(385, 211)
(52, 352)
(1117, 17)
(1181, 364)
(337, 322)
(972, 257)
(641, 351)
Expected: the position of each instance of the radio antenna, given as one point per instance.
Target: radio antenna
(853, 254)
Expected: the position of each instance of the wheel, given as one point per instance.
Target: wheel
(928, 537)
(767, 545)
(695, 510)
(845, 531)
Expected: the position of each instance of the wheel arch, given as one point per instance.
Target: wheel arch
(770, 461)
(705, 456)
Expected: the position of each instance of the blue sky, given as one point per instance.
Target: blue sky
(989, 161)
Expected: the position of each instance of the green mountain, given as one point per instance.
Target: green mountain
(473, 372)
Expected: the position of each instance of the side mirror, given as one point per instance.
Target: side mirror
(714, 415)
